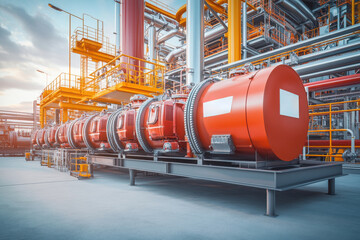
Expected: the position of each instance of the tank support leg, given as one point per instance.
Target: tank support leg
(132, 174)
(270, 203)
(331, 186)
(91, 166)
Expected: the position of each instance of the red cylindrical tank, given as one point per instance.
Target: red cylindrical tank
(34, 138)
(160, 124)
(132, 28)
(19, 139)
(121, 126)
(75, 132)
(62, 135)
(94, 132)
(264, 111)
(50, 136)
(40, 136)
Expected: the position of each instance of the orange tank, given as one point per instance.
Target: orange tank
(264, 112)
(94, 132)
(121, 126)
(160, 124)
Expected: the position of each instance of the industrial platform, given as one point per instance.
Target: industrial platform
(47, 204)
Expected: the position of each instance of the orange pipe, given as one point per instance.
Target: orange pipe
(159, 10)
(215, 5)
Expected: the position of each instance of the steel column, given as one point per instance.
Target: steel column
(270, 203)
(234, 30)
(331, 186)
(132, 174)
(195, 41)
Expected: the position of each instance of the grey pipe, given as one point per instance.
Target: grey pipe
(331, 71)
(352, 140)
(291, 47)
(158, 22)
(152, 45)
(329, 52)
(328, 63)
(195, 41)
(208, 36)
(298, 15)
(244, 30)
(303, 8)
(170, 34)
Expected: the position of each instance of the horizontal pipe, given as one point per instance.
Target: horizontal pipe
(170, 34)
(158, 22)
(208, 36)
(331, 71)
(329, 52)
(303, 8)
(80, 107)
(333, 82)
(292, 47)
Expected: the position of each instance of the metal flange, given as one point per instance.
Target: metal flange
(85, 131)
(190, 114)
(140, 134)
(111, 133)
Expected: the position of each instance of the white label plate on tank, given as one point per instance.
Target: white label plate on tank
(289, 104)
(217, 107)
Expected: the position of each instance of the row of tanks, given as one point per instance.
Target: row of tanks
(263, 112)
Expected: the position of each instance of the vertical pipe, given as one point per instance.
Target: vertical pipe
(244, 29)
(34, 114)
(339, 18)
(69, 47)
(152, 44)
(117, 26)
(234, 30)
(352, 12)
(195, 41)
(132, 27)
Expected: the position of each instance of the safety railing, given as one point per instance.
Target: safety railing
(127, 69)
(96, 35)
(328, 110)
(79, 167)
(64, 80)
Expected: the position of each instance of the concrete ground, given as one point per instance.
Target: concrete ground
(41, 203)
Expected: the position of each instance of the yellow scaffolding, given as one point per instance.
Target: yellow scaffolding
(330, 154)
(123, 77)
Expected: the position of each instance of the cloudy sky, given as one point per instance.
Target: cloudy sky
(35, 37)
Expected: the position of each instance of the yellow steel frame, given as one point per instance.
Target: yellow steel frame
(81, 167)
(355, 11)
(61, 93)
(125, 74)
(329, 156)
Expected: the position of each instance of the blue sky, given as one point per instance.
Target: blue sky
(34, 36)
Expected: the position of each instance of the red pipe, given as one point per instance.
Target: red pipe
(333, 83)
(334, 143)
(132, 32)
